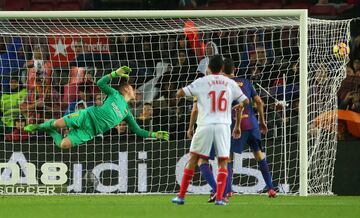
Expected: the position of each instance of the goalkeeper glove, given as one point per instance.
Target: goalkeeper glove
(160, 135)
(122, 72)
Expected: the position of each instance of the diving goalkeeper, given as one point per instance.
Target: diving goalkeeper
(85, 124)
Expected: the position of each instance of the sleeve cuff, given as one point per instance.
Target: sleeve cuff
(241, 98)
(153, 135)
(113, 74)
(187, 91)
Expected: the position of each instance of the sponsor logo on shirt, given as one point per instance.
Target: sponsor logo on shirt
(73, 115)
(116, 109)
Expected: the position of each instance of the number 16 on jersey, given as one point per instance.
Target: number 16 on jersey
(218, 102)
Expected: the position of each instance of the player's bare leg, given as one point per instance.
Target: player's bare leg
(264, 168)
(187, 177)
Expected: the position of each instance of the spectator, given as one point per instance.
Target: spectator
(356, 67)
(168, 87)
(258, 68)
(18, 133)
(121, 129)
(145, 58)
(273, 118)
(349, 84)
(99, 99)
(317, 90)
(11, 100)
(125, 50)
(221, 38)
(349, 71)
(320, 75)
(79, 77)
(43, 101)
(146, 117)
(11, 60)
(210, 50)
(84, 100)
(351, 102)
(183, 71)
(86, 57)
(38, 59)
(138, 103)
(293, 77)
(184, 46)
(236, 45)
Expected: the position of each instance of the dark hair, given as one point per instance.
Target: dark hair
(228, 66)
(82, 88)
(148, 103)
(122, 85)
(119, 83)
(15, 78)
(216, 63)
(15, 75)
(20, 118)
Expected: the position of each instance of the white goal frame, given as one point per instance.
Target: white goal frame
(303, 27)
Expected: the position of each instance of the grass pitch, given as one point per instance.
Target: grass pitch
(160, 206)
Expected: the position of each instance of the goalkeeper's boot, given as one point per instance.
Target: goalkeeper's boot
(221, 202)
(31, 127)
(212, 197)
(178, 200)
(272, 193)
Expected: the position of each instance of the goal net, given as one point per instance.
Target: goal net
(49, 68)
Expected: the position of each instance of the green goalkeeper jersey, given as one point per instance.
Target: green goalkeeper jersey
(114, 110)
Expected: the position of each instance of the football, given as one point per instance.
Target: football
(341, 50)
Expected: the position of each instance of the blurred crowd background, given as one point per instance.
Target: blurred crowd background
(47, 77)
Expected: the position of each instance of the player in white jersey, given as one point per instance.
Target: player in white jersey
(215, 94)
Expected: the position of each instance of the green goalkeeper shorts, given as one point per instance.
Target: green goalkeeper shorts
(81, 127)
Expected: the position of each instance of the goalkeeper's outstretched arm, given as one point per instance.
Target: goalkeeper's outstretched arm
(135, 128)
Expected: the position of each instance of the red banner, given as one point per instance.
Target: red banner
(65, 48)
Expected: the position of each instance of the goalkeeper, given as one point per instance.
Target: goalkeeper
(87, 123)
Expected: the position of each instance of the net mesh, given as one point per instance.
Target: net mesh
(57, 63)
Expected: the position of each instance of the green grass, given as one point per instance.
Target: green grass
(160, 206)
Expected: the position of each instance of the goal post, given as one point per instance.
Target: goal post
(303, 103)
(147, 27)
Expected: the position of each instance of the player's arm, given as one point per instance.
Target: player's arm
(103, 83)
(180, 93)
(260, 108)
(237, 130)
(135, 128)
(191, 90)
(242, 101)
(193, 118)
